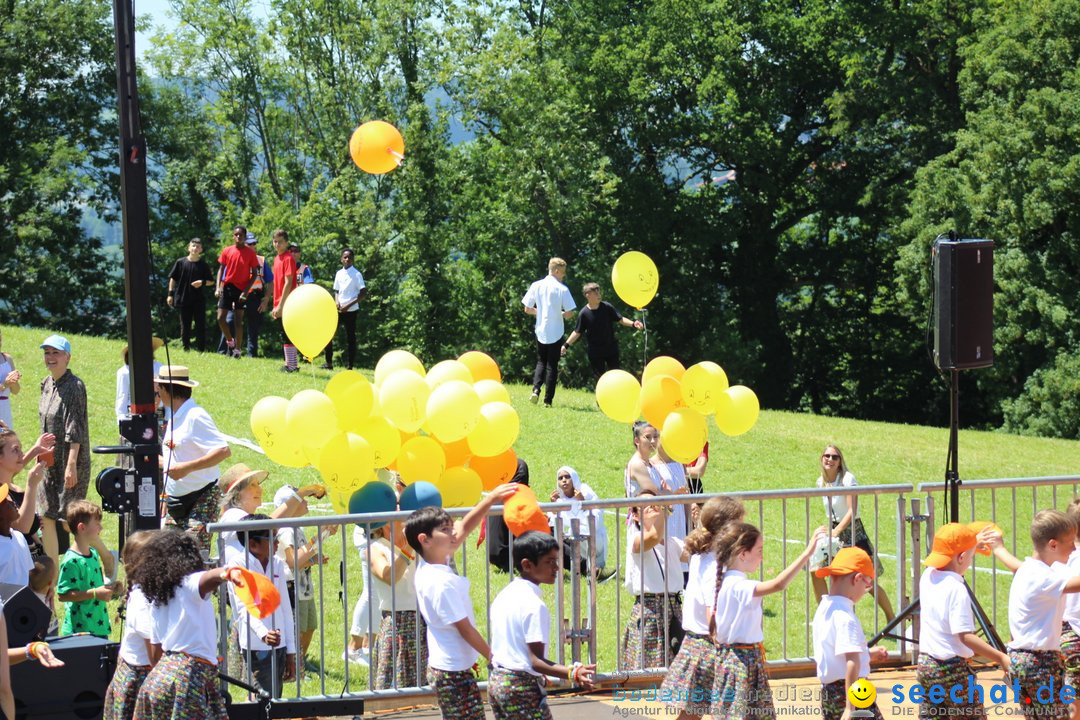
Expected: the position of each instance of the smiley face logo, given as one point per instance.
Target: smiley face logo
(862, 693)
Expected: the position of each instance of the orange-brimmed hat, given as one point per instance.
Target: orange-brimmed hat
(848, 560)
(949, 541)
(977, 527)
(522, 513)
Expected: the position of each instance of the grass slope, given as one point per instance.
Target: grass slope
(781, 452)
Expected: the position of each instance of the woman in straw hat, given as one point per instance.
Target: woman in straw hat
(192, 448)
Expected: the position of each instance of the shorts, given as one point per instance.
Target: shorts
(307, 615)
(230, 298)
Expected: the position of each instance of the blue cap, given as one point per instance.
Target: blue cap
(251, 239)
(420, 494)
(57, 342)
(374, 497)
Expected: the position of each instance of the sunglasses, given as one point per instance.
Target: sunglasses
(830, 456)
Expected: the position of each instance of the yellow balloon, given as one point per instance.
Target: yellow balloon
(481, 365)
(618, 394)
(659, 396)
(311, 418)
(384, 439)
(684, 434)
(403, 397)
(453, 409)
(460, 487)
(497, 430)
(491, 391)
(663, 365)
(346, 462)
(446, 370)
(377, 147)
(702, 385)
(353, 397)
(635, 278)
(339, 501)
(421, 458)
(737, 410)
(268, 427)
(397, 360)
(310, 319)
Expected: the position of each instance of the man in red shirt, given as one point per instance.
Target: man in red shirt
(284, 283)
(240, 268)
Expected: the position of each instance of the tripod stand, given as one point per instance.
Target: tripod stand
(952, 501)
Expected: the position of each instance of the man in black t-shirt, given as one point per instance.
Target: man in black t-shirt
(187, 278)
(596, 322)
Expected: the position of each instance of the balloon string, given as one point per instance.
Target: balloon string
(645, 345)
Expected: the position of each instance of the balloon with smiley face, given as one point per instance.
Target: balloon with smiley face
(635, 278)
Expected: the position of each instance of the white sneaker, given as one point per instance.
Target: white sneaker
(357, 657)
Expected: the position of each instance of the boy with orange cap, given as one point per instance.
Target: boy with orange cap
(840, 651)
(947, 629)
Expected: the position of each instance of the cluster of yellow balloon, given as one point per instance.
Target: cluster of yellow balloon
(452, 425)
(676, 400)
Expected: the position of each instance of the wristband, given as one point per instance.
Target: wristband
(29, 651)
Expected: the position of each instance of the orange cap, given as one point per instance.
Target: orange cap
(949, 541)
(848, 560)
(977, 527)
(522, 512)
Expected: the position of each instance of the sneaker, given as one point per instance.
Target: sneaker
(547, 405)
(605, 575)
(357, 657)
(326, 366)
(534, 398)
(236, 352)
(287, 369)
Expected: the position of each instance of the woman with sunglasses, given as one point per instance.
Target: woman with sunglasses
(843, 515)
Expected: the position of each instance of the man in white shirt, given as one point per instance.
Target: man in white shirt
(349, 287)
(550, 301)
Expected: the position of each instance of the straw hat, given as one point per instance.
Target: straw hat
(155, 342)
(174, 375)
(237, 474)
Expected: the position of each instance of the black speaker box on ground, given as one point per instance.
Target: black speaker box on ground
(963, 304)
(26, 617)
(76, 690)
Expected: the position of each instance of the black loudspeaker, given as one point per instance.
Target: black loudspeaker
(27, 618)
(76, 690)
(963, 304)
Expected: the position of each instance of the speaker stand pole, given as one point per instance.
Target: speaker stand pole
(952, 502)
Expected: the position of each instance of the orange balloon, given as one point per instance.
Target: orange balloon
(663, 365)
(659, 396)
(481, 365)
(495, 470)
(377, 147)
(457, 453)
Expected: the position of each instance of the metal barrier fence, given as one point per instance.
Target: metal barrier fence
(786, 517)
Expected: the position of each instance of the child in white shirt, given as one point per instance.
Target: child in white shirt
(133, 663)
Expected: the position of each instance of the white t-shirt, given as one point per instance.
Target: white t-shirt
(1036, 604)
(186, 623)
(632, 486)
(738, 612)
(137, 622)
(443, 599)
(1072, 600)
(404, 594)
(946, 612)
(550, 298)
(518, 617)
(658, 559)
(837, 632)
(836, 506)
(699, 594)
(229, 538)
(249, 629)
(123, 389)
(673, 477)
(348, 282)
(295, 538)
(15, 560)
(189, 435)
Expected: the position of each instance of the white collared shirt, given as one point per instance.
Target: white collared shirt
(550, 298)
(699, 594)
(738, 612)
(137, 622)
(249, 629)
(518, 617)
(662, 565)
(348, 282)
(946, 612)
(837, 632)
(122, 405)
(186, 623)
(1072, 600)
(189, 435)
(1036, 605)
(443, 599)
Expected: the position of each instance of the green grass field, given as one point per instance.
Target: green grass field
(779, 453)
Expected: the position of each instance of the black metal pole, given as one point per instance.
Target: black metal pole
(952, 472)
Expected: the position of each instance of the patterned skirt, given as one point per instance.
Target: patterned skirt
(947, 673)
(834, 702)
(181, 687)
(646, 630)
(207, 509)
(399, 649)
(516, 695)
(1034, 668)
(1070, 648)
(458, 694)
(690, 679)
(123, 690)
(741, 686)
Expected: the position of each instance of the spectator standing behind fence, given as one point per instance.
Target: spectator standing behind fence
(401, 630)
(349, 288)
(640, 475)
(597, 321)
(568, 486)
(695, 471)
(9, 385)
(188, 278)
(549, 300)
(842, 512)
